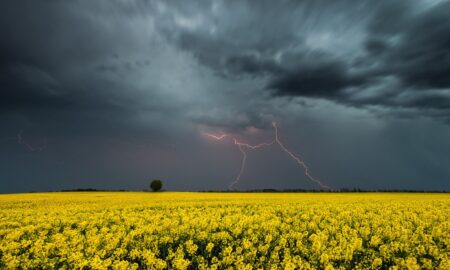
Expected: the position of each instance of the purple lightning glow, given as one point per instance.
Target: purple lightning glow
(30, 147)
(242, 145)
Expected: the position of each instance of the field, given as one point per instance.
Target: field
(168, 230)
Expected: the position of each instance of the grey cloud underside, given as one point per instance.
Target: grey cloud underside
(392, 55)
(109, 59)
(398, 51)
(121, 90)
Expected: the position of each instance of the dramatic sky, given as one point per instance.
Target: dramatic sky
(111, 94)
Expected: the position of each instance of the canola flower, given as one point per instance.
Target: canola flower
(137, 230)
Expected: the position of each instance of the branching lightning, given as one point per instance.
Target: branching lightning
(30, 147)
(242, 145)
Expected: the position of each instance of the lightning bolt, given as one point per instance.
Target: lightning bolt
(242, 145)
(297, 159)
(30, 147)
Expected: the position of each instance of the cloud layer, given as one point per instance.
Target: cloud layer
(130, 74)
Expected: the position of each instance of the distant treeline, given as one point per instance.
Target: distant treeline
(91, 189)
(342, 190)
(270, 190)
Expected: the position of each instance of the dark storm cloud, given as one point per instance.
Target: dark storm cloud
(404, 40)
(410, 45)
(30, 89)
(39, 49)
(416, 46)
(309, 80)
(52, 61)
(122, 89)
(293, 48)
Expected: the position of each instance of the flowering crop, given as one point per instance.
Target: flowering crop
(127, 230)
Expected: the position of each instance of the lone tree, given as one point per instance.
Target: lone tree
(156, 185)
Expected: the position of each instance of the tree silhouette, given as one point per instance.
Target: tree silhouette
(156, 185)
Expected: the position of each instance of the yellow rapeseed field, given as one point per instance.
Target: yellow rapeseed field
(169, 230)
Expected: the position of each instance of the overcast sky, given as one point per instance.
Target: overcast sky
(111, 94)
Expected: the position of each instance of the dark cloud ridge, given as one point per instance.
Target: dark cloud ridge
(121, 90)
(402, 41)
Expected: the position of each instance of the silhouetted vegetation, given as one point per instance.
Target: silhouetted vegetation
(156, 185)
(82, 190)
(342, 190)
(91, 190)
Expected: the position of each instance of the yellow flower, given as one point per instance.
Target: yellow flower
(377, 262)
(224, 231)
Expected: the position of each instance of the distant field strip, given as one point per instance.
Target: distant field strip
(169, 230)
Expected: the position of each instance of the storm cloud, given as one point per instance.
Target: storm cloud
(120, 91)
(313, 49)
